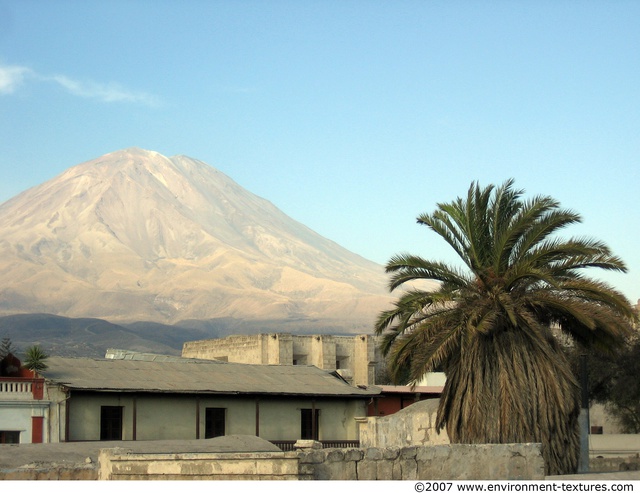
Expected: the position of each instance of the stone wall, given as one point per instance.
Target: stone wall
(235, 349)
(442, 462)
(70, 472)
(413, 425)
(601, 464)
(356, 356)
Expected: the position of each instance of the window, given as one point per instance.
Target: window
(214, 422)
(111, 423)
(9, 437)
(309, 425)
(299, 359)
(342, 363)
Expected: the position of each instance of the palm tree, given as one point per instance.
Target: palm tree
(491, 325)
(35, 359)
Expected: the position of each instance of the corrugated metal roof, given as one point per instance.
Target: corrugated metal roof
(198, 376)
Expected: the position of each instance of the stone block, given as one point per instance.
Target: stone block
(335, 455)
(306, 469)
(397, 471)
(339, 471)
(373, 454)
(367, 470)
(390, 453)
(408, 452)
(312, 457)
(384, 470)
(408, 468)
(353, 454)
(306, 444)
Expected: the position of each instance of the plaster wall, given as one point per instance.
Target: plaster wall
(598, 416)
(54, 425)
(337, 419)
(171, 417)
(16, 416)
(84, 415)
(614, 445)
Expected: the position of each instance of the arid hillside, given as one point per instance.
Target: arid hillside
(137, 236)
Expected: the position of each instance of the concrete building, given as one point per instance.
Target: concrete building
(356, 358)
(23, 409)
(170, 398)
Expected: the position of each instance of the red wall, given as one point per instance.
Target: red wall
(387, 404)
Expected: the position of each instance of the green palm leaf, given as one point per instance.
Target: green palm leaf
(493, 326)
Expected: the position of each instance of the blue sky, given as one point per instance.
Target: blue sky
(352, 117)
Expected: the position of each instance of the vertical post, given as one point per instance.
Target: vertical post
(134, 430)
(197, 418)
(67, 409)
(583, 419)
(257, 416)
(314, 423)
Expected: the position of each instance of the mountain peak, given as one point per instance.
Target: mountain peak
(134, 235)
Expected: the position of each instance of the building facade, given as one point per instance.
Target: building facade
(23, 409)
(175, 398)
(356, 358)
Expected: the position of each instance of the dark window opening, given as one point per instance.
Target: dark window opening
(214, 422)
(299, 359)
(111, 423)
(9, 437)
(309, 424)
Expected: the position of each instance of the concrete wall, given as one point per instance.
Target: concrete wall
(117, 464)
(443, 462)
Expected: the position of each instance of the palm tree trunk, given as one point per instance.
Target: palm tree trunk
(510, 388)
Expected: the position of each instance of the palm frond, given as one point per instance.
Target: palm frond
(407, 268)
(490, 325)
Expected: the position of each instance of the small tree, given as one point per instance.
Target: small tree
(35, 359)
(6, 347)
(613, 381)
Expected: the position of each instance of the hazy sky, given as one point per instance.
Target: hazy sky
(352, 117)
